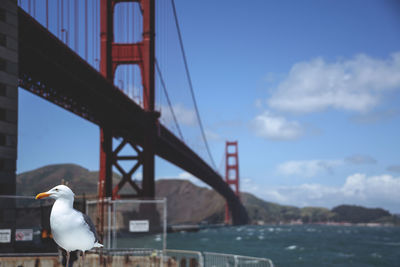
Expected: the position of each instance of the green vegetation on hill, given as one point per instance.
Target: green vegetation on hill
(357, 214)
(188, 203)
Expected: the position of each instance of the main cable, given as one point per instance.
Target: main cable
(190, 83)
(169, 101)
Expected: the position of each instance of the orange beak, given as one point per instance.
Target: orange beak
(42, 195)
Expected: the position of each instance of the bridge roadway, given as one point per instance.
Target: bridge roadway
(51, 70)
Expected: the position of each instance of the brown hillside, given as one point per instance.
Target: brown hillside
(188, 203)
(81, 180)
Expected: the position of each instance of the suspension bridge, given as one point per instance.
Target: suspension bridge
(121, 64)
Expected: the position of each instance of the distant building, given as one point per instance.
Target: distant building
(8, 96)
(8, 119)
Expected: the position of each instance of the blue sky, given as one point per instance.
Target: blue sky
(310, 89)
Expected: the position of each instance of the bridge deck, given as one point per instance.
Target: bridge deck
(51, 70)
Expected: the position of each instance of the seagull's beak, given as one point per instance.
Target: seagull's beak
(42, 195)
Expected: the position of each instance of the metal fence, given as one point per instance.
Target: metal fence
(185, 258)
(132, 223)
(212, 259)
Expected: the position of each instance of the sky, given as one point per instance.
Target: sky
(310, 90)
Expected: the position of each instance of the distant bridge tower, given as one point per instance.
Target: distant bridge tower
(231, 172)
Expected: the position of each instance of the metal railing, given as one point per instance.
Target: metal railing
(187, 258)
(212, 259)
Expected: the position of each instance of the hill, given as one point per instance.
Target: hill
(80, 180)
(357, 214)
(268, 212)
(188, 203)
(42, 179)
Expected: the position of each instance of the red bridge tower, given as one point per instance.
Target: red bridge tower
(111, 55)
(143, 55)
(231, 171)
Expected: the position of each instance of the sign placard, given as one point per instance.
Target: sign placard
(139, 226)
(23, 234)
(5, 235)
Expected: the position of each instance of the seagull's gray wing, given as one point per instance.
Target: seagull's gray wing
(92, 228)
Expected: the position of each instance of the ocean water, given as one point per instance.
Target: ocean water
(299, 245)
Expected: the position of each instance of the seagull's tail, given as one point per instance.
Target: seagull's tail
(98, 245)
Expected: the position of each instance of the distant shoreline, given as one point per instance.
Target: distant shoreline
(332, 224)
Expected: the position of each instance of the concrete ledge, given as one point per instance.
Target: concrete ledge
(91, 260)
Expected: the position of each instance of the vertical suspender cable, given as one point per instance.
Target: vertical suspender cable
(68, 23)
(97, 45)
(76, 30)
(128, 41)
(134, 39)
(128, 89)
(86, 30)
(190, 83)
(93, 34)
(168, 100)
(62, 22)
(58, 18)
(47, 14)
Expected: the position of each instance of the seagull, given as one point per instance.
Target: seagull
(71, 229)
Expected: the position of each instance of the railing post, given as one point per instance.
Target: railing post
(201, 259)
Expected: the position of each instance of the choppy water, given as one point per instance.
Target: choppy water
(300, 245)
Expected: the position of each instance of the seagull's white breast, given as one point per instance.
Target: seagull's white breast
(69, 228)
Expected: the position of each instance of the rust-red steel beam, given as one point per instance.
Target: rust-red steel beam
(51, 70)
(231, 172)
(142, 54)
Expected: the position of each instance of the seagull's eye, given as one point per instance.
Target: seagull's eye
(57, 189)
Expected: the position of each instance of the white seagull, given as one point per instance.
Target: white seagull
(71, 229)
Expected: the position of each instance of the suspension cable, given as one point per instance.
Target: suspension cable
(168, 100)
(190, 82)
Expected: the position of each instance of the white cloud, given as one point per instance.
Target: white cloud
(274, 127)
(184, 115)
(363, 187)
(355, 84)
(307, 168)
(358, 189)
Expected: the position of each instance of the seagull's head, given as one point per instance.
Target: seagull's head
(59, 191)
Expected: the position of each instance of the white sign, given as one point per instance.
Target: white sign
(23, 234)
(5, 235)
(139, 226)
